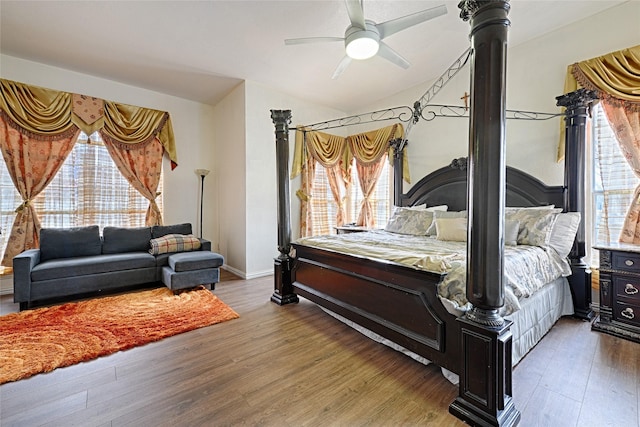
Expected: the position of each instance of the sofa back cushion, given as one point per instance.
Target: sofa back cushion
(118, 240)
(69, 242)
(163, 230)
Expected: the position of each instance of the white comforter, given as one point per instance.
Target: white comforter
(526, 268)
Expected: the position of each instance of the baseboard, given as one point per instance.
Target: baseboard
(243, 275)
(6, 284)
(259, 274)
(240, 274)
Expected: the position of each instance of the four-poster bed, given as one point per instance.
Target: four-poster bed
(401, 303)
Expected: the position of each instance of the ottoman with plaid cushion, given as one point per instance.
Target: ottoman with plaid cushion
(190, 269)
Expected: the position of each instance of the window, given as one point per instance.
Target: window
(613, 183)
(88, 189)
(324, 208)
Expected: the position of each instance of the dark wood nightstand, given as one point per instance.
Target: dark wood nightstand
(344, 229)
(619, 291)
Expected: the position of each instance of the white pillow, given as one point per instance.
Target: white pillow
(409, 221)
(452, 229)
(455, 229)
(563, 232)
(511, 229)
(431, 231)
(430, 208)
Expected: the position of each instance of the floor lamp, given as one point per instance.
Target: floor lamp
(201, 173)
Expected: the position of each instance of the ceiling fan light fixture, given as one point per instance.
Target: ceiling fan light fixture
(362, 43)
(362, 47)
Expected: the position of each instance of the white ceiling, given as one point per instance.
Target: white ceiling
(200, 50)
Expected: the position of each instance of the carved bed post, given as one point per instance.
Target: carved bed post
(578, 106)
(398, 145)
(283, 290)
(485, 391)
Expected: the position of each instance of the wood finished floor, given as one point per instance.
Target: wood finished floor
(297, 366)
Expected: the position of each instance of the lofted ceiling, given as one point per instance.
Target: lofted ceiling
(201, 50)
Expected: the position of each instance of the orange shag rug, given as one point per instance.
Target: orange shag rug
(41, 340)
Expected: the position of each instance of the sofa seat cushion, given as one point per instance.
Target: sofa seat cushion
(82, 266)
(188, 261)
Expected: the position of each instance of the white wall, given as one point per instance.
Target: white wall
(191, 125)
(535, 76)
(261, 174)
(229, 178)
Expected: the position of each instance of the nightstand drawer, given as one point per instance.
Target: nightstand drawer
(627, 287)
(627, 313)
(625, 261)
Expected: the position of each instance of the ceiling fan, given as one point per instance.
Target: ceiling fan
(363, 38)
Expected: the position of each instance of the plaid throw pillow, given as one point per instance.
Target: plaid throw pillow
(174, 243)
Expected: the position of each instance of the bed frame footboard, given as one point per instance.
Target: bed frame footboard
(396, 302)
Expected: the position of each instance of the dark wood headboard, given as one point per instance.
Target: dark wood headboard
(448, 186)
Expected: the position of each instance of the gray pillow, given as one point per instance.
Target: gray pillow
(163, 230)
(119, 240)
(69, 242)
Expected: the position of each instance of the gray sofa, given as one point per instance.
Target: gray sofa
(76, 261)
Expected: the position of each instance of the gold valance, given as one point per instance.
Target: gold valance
(368, 147)
(328, 149)
(49, 114)
(614, 77)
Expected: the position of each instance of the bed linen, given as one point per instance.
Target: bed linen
(526, 268)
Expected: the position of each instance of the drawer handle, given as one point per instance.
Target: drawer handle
(630, 289)
(628, 262)
(628, 313)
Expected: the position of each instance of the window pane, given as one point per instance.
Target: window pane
(613, 183)
(323, 207)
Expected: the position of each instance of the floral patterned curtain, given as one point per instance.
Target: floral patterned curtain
(330, 152)
(370, 149)
(615, 78)
(304, 194)
(626, 126)
(32, 164)
(40, 127)
(368, 177)
(335, 153)
(141, 165)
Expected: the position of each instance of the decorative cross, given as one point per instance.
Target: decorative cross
(465, 98)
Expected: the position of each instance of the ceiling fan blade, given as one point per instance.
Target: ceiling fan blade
(313, 40)
(391, 55)
(392, 26)
(356, 13)
(341, 67)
